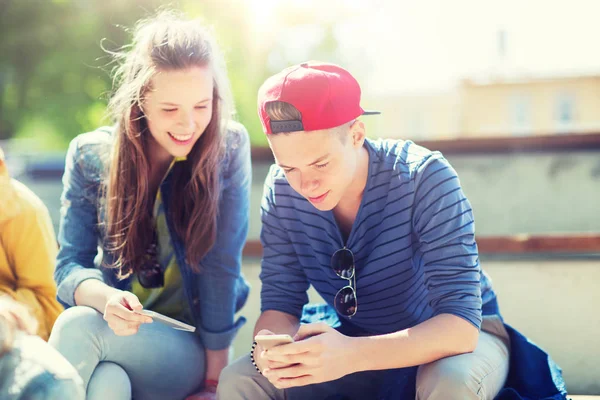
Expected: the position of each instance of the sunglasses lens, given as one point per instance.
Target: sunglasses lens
(342, 263)
(151, 278)
(345, 301)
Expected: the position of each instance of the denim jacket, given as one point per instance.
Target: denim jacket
(214, 294)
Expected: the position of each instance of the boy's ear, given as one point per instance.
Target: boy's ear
(358, 133)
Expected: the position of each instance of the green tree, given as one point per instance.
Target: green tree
(55, 76)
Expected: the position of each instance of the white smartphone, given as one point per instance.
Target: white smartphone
(173, 323)
(268, 341)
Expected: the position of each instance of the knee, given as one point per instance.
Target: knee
(229, 375)
(109, 381)
(234, 377)
(448, 378)
(75, 323)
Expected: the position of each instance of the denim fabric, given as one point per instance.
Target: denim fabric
(33, 370)
(533, 373)
(215, 294)
(156, 363)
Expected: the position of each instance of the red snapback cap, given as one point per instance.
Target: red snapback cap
(326, 95)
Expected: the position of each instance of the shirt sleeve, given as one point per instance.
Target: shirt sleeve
(78, 230)
(33, 269)
(220, 284)
(443, 222)
(284, 283)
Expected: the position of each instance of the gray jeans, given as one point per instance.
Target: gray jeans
(477, 375)
(33, 370)
(158, 362)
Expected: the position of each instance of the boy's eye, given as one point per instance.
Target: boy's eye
(288, 170)
(322, 165)
(200, 107)
(169, 109)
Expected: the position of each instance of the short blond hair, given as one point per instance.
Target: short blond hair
(282, 111)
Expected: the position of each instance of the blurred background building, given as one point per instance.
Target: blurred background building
(496, 106)
(509, 91)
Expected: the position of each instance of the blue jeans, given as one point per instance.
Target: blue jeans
(33, 370)
(158, 362)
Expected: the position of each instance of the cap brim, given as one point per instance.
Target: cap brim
(371, 112)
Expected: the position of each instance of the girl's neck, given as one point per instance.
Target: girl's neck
(159, 161)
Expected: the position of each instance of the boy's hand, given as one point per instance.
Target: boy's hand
(320, 354)
(259, 355)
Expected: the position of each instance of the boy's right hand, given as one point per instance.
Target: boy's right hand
(259, 358)
(121, 313)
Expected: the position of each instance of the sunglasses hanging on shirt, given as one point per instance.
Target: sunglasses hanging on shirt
(345, 301)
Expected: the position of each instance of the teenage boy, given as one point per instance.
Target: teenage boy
(385, 234)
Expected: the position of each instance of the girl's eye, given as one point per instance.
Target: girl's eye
(169, 109)
(287, 171)
(200, 107)
(322, 165)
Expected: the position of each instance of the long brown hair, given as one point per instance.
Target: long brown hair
(166, 42)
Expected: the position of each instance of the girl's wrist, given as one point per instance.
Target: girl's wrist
(210, 385)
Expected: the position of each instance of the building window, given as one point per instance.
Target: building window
(520, 115)
(564, 113)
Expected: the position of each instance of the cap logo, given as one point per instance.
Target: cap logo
(286, 126)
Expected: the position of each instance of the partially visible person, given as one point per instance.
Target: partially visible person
(27, 251)
(165, 192)
(30, 369)
(384, 233)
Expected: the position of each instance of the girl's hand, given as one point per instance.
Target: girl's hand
(122, 313)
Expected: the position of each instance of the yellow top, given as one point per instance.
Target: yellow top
(169, 299)
(28, 251)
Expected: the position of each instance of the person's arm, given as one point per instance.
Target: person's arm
(442, 336)
(444, 226)
(443, 223)
(79, 281)
(221, 267)
(277, 322)
(284, 283)
(30, 245)
(272, 322)
(322, 354)
(78, 231)
(94, 293)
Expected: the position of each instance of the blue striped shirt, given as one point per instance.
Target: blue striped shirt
(413, 243)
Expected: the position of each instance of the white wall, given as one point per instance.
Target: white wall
(556, 303)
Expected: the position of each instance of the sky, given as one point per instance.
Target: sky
(402, 46)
